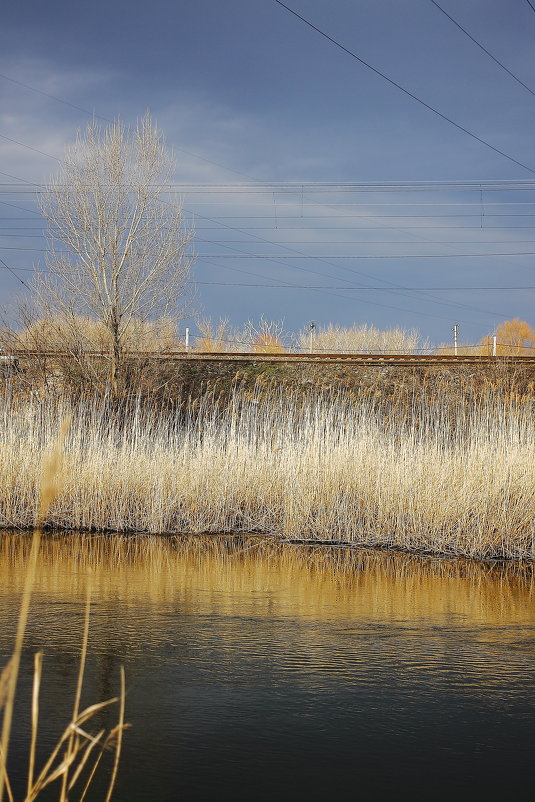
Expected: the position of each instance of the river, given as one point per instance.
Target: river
(256, 671)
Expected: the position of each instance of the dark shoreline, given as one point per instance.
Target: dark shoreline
(262, 539)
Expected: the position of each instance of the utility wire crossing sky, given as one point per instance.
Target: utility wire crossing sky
(397, 135)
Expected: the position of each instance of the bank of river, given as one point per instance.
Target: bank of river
(257, 671)
(451, 477)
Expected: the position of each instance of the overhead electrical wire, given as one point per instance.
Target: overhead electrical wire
(413, 312)
(289, 286)
(287, 248)
(274, 259)
(29, 147)
(5, 266)
(317, 188)
(356, 289)
(369, 303)
(402, 89)
(278, 261)
(352, 271)
(457, 304)
(484, 49)
(105, 119)
(313, 257)
(359, 256)
(310, 241)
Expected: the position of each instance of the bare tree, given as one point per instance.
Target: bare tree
(117, 252)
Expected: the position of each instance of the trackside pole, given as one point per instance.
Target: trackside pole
(187, 339)
(494, 346)
(312, 330)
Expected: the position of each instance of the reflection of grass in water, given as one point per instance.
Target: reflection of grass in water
(452, 478)
(77, 753)
(233, 575)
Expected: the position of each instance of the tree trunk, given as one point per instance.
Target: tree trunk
(115, 361)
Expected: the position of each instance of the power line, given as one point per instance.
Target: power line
(105, 119)
(347, 256)
(340, 216)
(231, 201)
(350, 270)
(292, 286)
(272, 228)
(310, 241)
(9, 175)
(292, 188)
(53, 97)
(289, 286)
(273, 257)
(369, 303)
(405, 91)
(356, 289)
(5, 266)
(21, 208)
(344, 268)
(530, 4)
(29, 147)
(308, 270)
(484, 49)
(256, 236)
(366, 228)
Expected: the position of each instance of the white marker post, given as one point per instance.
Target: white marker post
(312, 330)
(187, 339)
(494, 346)
(455, 329)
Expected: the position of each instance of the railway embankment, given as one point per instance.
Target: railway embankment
(179, 377)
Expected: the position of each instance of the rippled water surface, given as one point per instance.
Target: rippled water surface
(264, 672)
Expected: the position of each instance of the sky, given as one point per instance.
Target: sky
(301, 166)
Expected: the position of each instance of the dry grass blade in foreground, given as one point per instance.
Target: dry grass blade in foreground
(73, 757)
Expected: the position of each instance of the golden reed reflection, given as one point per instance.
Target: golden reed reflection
(256, 576)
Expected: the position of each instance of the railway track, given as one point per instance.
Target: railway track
(386, 360)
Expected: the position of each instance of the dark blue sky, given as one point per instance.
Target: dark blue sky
(244, 86)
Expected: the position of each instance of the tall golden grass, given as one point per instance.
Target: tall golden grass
(362, 338)
(450, 478)
(77, 754)
(76, 334)
(261, 337)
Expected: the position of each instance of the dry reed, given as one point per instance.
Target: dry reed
(446, 478)
(78, 744)
(362, 338)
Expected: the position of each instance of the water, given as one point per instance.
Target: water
(261, 672)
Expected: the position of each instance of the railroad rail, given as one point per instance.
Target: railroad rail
(315, 358)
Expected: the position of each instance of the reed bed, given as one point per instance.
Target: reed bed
(333, 466)
(362, 338)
